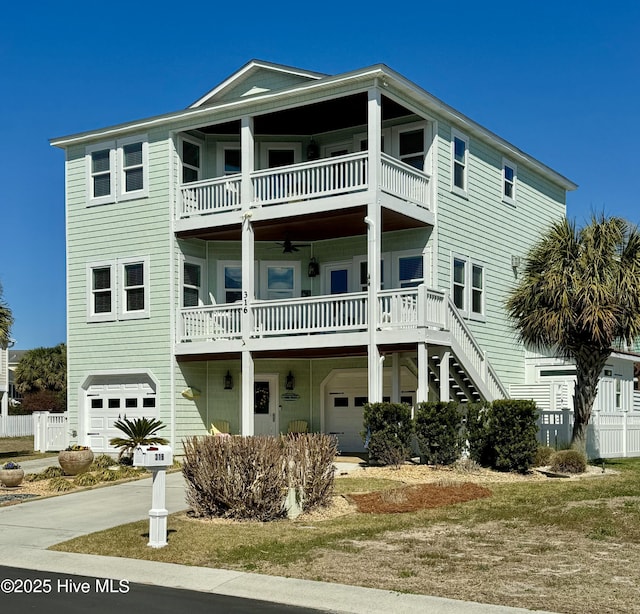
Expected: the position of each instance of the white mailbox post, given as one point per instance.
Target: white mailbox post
(156, 458)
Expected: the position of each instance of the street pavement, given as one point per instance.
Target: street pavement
(29, 528)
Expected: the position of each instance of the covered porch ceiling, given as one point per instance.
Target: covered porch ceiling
(314, 118)
(312, 227)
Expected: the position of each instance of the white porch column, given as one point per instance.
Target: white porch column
(422, 394)
(247, 160)
(395, 378)
(444, 377)
(248, 275)
(374, 223)
(247, 394)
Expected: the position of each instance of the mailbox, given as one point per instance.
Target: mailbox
(152, 456)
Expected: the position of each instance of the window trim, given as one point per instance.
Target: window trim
(461, 191)
(264, 277)
(396, 131)
(109, 316)
(469, 264)
(408, 253)
(200, 145)
(510, 200)
(138, 314)
(268, 146)
(221, 147)
(202, 263)
(89, 151)
(122, 193)
(117, 170)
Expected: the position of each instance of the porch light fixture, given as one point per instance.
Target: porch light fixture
(314, 268)
(228, 381)
(290, 382)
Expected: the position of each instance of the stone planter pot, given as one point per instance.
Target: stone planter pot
(74, 462)
(11, 477)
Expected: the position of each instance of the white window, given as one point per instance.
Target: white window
(409, 144)
(459, 162)
(118, 290)
(279, 280)
(509, 174)
(410, 271)
(229, 159)
(191, 155)
(134, 284)
(192, 282)
(229, 281)
(101, 160)
(468, 287)
(101, 283)
(273, 155)
(133, 164)
(117, 170)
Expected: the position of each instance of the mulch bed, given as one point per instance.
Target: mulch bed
(417, 497)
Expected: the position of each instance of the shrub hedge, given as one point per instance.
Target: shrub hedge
(438, 432)
(387, 432)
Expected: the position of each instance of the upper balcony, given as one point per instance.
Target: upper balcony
(297, 184)
(304, 160)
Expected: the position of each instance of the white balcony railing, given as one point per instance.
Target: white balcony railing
(326, 177)
(210, 323)
(404, 308)
(404, 181)
(318, 179)
(210, 195)
(318, 314)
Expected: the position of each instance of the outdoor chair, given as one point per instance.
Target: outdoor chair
(298, 426)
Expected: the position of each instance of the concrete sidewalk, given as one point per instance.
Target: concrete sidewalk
(27, 529)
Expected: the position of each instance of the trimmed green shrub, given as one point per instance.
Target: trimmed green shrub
(477, 433)
(437, 427)
(568, 461)
(502, 435)
(250, 477)
(543, 456)
(387, 432)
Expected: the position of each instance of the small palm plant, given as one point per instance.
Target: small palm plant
(140, 431)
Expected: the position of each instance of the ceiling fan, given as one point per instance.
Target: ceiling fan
(288, 247)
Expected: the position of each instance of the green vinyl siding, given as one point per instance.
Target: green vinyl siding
(488, 231)
(111, 232)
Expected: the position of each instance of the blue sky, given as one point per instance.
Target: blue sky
(560, 80)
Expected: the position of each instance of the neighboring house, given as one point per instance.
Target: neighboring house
(6, 378)
(289, 247)
(15, 356)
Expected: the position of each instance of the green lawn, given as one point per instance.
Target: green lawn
(511, 549)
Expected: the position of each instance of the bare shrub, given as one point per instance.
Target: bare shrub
(249, 477)
(310, 467)
(568, 461)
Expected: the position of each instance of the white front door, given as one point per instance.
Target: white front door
(265, 406)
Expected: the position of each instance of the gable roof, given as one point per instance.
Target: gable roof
(243, 89)
(256, 77)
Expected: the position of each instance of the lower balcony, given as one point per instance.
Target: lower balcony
(331, 314)
(336, 321)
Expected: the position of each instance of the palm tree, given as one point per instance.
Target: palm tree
(140, 431)
(578, 296)
(6, 321)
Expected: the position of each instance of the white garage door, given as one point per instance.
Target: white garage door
(113, 398)
(346, 396)
(343, 418)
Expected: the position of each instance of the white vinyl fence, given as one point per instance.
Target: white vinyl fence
(609, 435)
(50, 431)
(16, 426)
